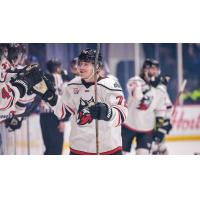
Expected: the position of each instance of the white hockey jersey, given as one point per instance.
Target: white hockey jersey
(9, 95)
(76, 98)
(143, 108)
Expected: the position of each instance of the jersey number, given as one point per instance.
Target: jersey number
(120, 100)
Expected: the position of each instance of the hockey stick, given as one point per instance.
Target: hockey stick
(95, 92)
(182, 88)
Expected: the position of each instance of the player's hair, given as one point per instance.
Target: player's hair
(52, 65)
(2, 50)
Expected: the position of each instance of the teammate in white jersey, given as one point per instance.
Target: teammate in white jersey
(15, 59)
(77, 100)
(11, 91)
(146, 106)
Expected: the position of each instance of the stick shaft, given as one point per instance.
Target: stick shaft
(182, 88)
(95, 91)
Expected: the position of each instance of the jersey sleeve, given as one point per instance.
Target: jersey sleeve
(168, 102)
(21, 104)
(64, 105)
(134, 88)
(115, 99)
(161, 108)
(9, 95)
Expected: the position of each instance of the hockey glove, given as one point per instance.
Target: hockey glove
(101, 111)
(46, 91)
(159, 135)
(26, 79)
(13, 123)
(162, 128)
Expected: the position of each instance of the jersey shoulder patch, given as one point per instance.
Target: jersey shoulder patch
(110, 84)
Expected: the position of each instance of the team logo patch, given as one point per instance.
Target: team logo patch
(116, 85)
(145, 103)
(76, 90)
(84, 116)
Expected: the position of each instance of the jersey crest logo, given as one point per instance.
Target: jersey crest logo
(116, 85)
(145, 103)
(5, 94)
(84, 116)
(76, 90)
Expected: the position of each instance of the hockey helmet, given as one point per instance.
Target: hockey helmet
(89, 55)
(148, 63)
(14, 50)
(148, 75)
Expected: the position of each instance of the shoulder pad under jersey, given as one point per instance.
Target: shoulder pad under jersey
(136, 79)
(162, 87)
(75, 81)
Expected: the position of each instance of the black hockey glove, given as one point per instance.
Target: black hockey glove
(101, 111)
(13, 123)
(163, 127)
(26, 78)
(46, 91)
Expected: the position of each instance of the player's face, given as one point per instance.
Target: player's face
(153, 71)
(5, 51)
(59, 70)
(23, 58)
(18, 60)
(85, 69)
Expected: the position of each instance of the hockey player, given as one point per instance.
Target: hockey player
(16, 58)
(158, 145)
(12, 91)
(77, 100)
(146, 108)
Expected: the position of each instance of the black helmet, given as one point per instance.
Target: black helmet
(150, 63)
(88, 55)
(14, 50)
